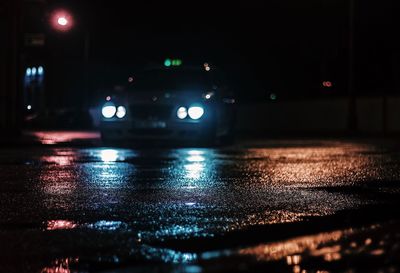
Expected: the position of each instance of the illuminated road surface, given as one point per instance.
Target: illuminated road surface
(287, 206)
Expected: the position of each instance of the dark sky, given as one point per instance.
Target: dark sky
(283, 46)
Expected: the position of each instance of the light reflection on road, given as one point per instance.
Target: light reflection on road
(61, 265)
(59, 137)
(60, 225)
(247, 187)
(108, 169)
(182, 193)
(109, 155)
(281, 250)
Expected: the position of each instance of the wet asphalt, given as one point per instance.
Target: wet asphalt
(267, 205)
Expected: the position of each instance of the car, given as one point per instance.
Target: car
(171, 103)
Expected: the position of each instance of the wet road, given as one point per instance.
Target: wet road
(286, 206)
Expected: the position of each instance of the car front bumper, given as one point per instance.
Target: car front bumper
(155, 130)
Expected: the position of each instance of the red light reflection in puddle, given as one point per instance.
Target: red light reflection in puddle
(51, 138)
(60, 266)
(60, 225)
(62, 157)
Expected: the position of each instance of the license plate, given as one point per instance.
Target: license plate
(150, 124)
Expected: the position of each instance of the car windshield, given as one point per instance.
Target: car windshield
(171, 79)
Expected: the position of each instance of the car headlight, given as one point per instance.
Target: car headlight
(182, 112)
(108, 111)
(196, 112)
(121, 112)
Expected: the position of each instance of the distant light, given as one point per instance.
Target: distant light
(130, 79)
(272, 96)
(108, 111)
(40, 70)
(28, 71)
(121, 112)
(29, 107)
(327, 84)
(196, 112)
(208, 95)
(167, 62)
(34, 71)
(207, 67)
(182, 112)
(108, 98)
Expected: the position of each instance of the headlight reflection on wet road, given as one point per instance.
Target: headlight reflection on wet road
(165, 194)
(109, 155)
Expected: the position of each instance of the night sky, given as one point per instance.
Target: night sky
(285, 47)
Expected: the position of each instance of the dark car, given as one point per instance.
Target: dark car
(182, 103)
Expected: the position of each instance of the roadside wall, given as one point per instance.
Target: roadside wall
(374, 116)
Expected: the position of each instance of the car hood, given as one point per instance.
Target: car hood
(167, 97)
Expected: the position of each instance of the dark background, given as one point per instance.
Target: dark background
(285, 47)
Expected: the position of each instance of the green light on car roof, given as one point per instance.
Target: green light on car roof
(167, 62)
(173, 62)
(176, 62)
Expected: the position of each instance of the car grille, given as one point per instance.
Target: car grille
(151, 132)
(159, 112)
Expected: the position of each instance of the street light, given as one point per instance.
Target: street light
(61, 20)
